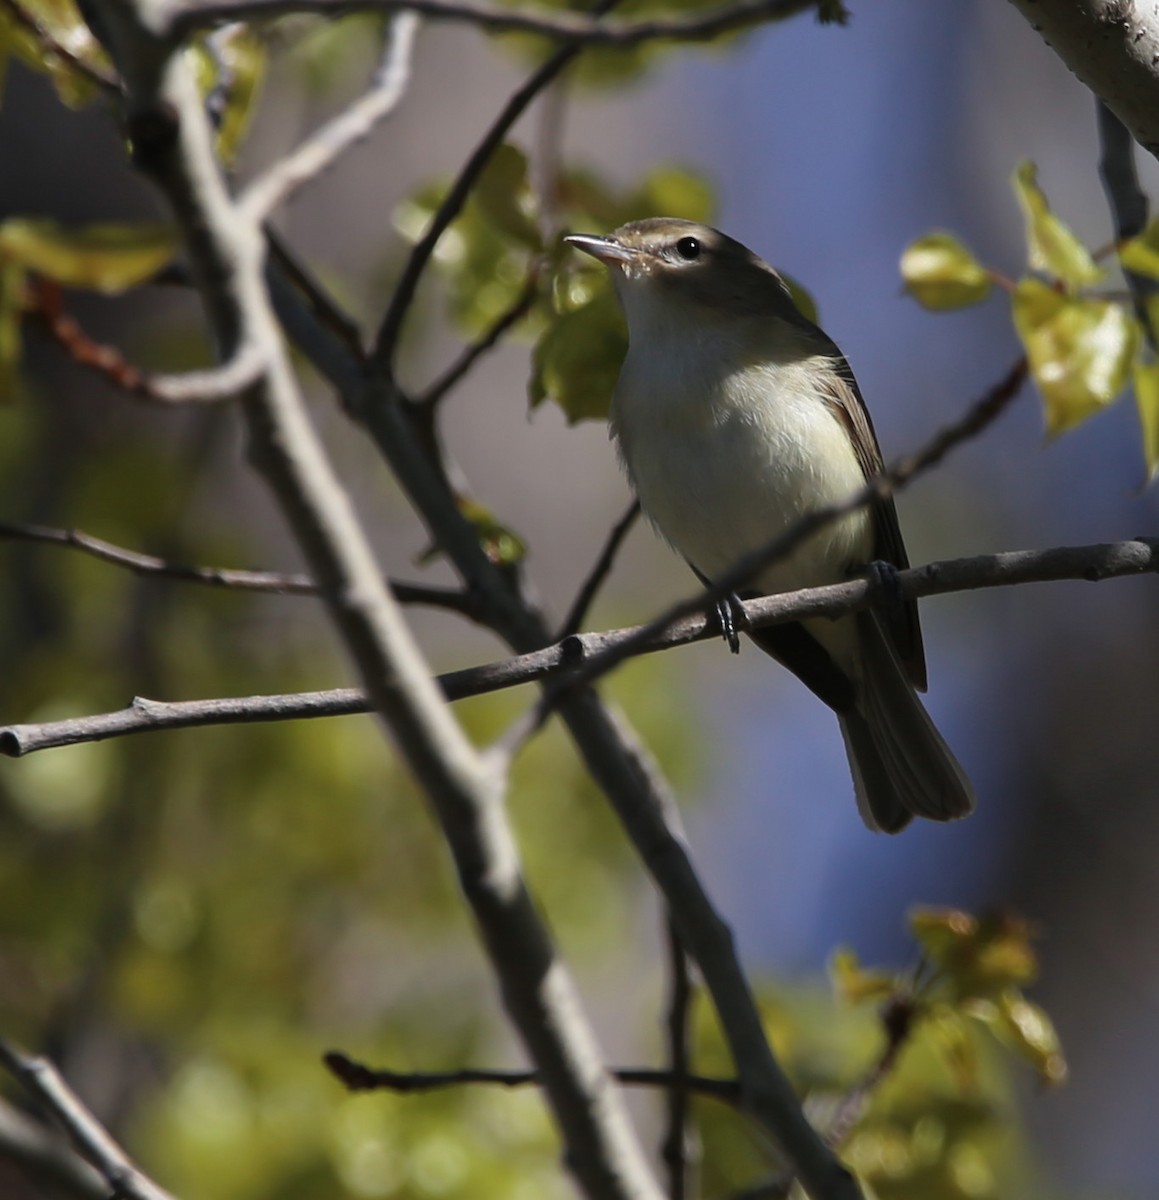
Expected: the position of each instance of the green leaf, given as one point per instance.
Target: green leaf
(1141, 254)
(1080, 351)
(855, 985)
(1053, 248)
(1027, 1030)
(11, 314)
(105, 258)
(940, 273)
(978, 956)
(61, 24)
(1145, 377)
(577, 359)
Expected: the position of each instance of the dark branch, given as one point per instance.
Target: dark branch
(222, 577)
(1090, 563)
(674, 1148)
(360, 1078)
(599, 572)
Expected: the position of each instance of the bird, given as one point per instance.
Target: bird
(734, 416)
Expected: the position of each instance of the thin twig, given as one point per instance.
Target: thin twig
(1090, 563)
(360, 1078)
(387, 88)
(515, 313)
(422, 251)
(184, 16)
(212, 385)
(91, 1140)
(599, 572)
(222, 577)
(674, 1147)
(1128, 204)
(321, 304)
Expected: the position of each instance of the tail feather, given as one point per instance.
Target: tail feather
(901, 765)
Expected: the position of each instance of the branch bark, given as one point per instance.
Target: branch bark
(1113, 47)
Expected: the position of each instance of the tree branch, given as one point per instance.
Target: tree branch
(231, 578)
(44, 1157)
(390, 329)
(183, 17)
(1113, 47)
(1013, 568)
(92, 1142)
(599, 572)
(173, 143)
(360, 1078)
(674, 1148)
(318, 153)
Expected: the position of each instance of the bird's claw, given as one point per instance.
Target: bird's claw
(733, 620)
(885, 584)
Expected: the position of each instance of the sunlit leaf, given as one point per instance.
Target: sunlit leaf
(977, 955)
(853, 984)
(1052, 247)
(502, 546)
(1145, 377)
(940, 273)
(951, 1036)
(1027, 1028)
(106, 258)
(1080, 350)
(60, 25)
(11, 314)
(1141, 254)
(577, 359)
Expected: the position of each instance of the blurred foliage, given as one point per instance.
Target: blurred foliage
(49, 28)
(1083, 348)
(917, 1092)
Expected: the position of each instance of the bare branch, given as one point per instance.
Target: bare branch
(599, 572)
(42, 1081)
(1128, 204)
(1113, 47)
(223, 577)
(173, 143)
(420, 255)
(45, 1157)
(184, 16)
(674, 1148)
(210, 386)
(1013, 568)
(318, 153)
(360, 1078)
(489, 339)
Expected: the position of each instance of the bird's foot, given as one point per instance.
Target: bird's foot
(885, 585)
(733, 620)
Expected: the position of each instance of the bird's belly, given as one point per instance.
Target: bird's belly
(720, 488)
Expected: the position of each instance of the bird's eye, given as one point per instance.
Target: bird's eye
(688, 248)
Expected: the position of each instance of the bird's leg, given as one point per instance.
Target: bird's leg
(733, 620)
(885, 585)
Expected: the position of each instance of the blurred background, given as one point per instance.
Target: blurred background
(188, 919)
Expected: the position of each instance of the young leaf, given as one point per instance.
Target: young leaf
(578, 358)
(1053, 248)
(1141, 254)
(1080, 351)
(106, 258)
(940, 273)
(853, 984)
(978, 956)
(1031, 1032)
(1145, 377)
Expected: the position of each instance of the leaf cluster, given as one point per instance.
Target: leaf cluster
(1083, 346)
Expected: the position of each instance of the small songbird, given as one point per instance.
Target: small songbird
(735, 415)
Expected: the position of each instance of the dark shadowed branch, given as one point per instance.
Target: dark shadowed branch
(599, 572)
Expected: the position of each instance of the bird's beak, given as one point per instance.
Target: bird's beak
(607, 250)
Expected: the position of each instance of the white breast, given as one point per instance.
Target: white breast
(725, 454)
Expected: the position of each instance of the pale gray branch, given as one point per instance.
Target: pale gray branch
(173, 143)
(43, 1156)
(1113, 47)
(319, 152)
(44, 1083)
(1088, 563)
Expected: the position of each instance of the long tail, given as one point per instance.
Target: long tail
(902, 768)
